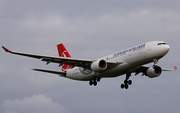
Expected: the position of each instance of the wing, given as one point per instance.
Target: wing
(174, 69)
(143, 69)
(85, 63)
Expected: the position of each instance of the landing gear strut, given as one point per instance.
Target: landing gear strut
(94, 81)
(127, 82)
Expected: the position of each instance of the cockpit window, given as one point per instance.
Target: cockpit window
(161, 43)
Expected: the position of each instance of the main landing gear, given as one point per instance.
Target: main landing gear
(127, 82)
(94, 81)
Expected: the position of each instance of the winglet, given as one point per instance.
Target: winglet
(175, 68)
(5, 49)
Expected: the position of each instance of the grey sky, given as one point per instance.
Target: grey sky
(89, 29)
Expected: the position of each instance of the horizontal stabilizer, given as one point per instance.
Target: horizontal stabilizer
(52, 72)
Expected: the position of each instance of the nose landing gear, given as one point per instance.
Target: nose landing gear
(155, 61)
(127, 82)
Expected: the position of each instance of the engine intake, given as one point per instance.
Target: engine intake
(154, 71)
(99, 65)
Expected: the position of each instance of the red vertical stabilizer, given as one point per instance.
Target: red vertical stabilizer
(63, 52)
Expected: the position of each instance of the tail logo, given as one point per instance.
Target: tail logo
(64, 54)
(65, 67)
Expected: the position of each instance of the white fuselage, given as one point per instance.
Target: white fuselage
(132, 58)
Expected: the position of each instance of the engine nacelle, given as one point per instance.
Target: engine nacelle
(99, 65)
(154, 71)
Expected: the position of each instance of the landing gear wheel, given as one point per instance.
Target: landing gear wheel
(130, 82)
(98, 79)
(95, 83)
(122, 86)
(90, 82)
(127, 82)
(126, 86)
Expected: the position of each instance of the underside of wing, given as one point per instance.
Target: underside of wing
(140, 69)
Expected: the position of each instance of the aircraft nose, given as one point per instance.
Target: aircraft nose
(166, 49)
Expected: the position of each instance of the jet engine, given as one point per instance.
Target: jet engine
(154, 71)
(99, 65)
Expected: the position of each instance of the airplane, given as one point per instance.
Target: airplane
(124, 62)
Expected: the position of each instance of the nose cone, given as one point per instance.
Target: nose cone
(165, 49)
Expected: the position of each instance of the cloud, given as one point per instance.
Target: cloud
(35, 104)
